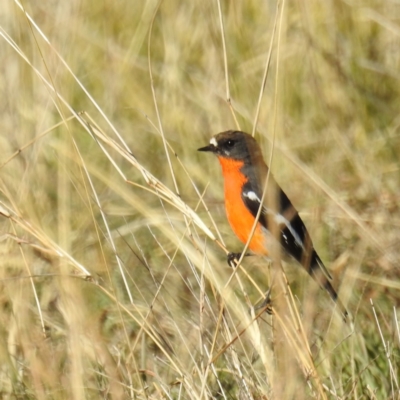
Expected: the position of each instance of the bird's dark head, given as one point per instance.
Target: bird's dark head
(234, 145)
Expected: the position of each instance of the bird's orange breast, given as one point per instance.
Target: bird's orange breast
(239, 216)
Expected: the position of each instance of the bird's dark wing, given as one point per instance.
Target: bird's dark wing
(293, 234)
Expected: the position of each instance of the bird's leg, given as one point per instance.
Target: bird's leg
(266, 304)
(233, 258)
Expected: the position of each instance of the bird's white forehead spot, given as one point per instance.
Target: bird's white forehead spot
(213, 141)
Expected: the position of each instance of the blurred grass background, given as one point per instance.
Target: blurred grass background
(109, 287)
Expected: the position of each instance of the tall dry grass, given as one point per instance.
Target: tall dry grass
(114, 281)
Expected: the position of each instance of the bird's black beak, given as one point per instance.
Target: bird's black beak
(210, 147)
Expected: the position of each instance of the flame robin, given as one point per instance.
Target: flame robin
(245, 175)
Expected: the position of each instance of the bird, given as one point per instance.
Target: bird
(245, 175)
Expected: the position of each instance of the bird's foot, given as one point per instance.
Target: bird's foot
(232, 259)
(266, 304)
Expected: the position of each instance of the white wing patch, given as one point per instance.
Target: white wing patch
(252, 196)
(279, 218)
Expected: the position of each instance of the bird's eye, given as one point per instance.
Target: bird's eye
(230, 143)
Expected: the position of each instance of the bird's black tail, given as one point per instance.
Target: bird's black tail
(322, 276)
